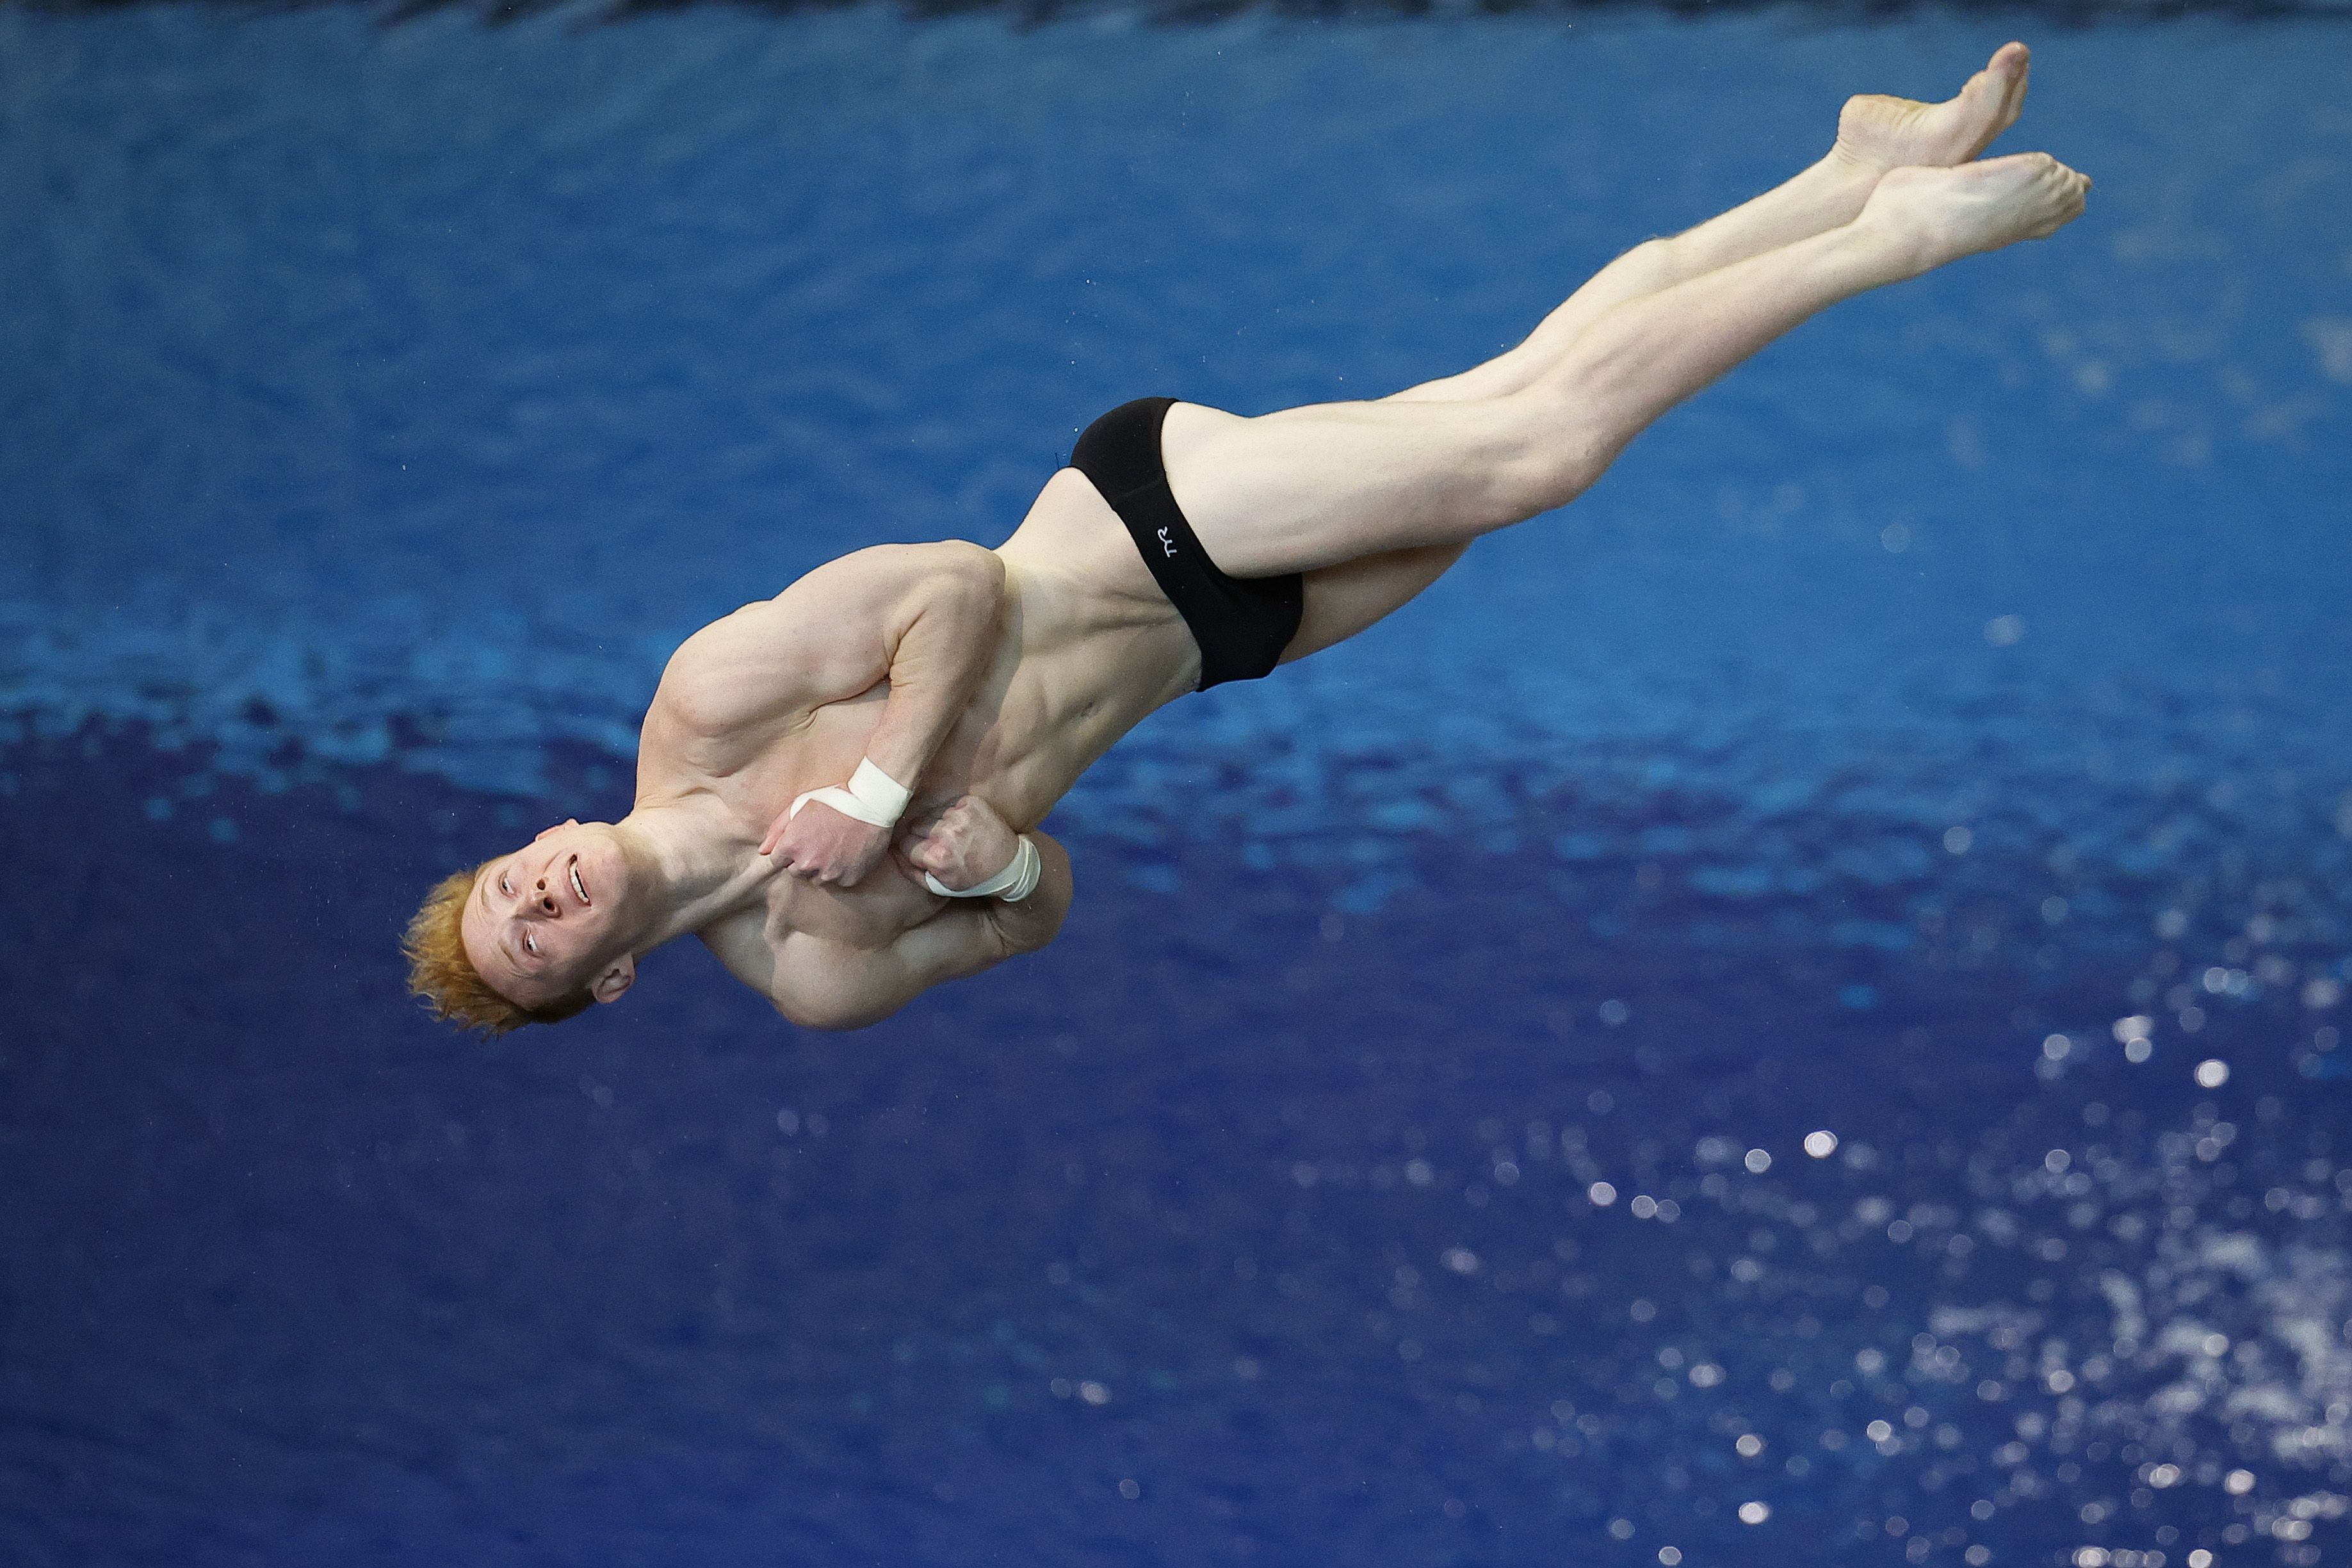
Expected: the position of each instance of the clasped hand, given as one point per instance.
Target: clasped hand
(830, 848)
(964, 844)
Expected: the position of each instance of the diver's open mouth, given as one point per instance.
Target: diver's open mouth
(579, 886)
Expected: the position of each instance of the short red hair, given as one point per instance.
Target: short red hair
(440, 972)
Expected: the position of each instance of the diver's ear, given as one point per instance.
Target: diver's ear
(608, 986)
(567, 822)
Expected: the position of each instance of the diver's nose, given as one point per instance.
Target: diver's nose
(546, 900)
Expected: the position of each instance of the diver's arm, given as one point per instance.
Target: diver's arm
(1025, 926)
(923, 617)
(932, 609)
(939, 634)
(820, 984)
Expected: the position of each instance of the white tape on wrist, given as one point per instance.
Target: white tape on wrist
(1017, 882)
(873, 797)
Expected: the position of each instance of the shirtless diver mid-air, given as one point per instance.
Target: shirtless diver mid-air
(838, 788)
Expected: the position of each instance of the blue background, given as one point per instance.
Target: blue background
(1953, 684)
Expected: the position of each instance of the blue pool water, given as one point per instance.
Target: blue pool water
(1953, 695)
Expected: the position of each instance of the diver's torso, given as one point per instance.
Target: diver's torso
(1090, 646)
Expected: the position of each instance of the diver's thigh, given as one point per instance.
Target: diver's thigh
(1310, 487)
(1343, 600)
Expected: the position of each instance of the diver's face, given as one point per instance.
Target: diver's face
(540, 922)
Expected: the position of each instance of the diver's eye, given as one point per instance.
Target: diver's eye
(503, 887)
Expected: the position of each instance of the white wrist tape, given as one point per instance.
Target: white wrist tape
(1017, 882)
(872, 797)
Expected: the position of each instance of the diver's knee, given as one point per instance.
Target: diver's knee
(1554, 454)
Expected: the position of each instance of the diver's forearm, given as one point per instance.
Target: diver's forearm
(1025, 926)
(937, 663)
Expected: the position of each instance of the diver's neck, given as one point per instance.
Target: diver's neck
(692, 864)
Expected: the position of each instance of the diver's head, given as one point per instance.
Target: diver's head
(528, 937)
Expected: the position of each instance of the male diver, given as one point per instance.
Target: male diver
(838, 789)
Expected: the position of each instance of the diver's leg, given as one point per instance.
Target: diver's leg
(1825, 196)
(1875, 134)
(1312, 487)
(1342, 599)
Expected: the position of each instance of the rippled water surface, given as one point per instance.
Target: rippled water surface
(1788, 1013)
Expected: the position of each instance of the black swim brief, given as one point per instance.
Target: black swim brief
(1242, 624)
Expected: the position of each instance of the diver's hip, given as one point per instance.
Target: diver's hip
(1094, 626)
